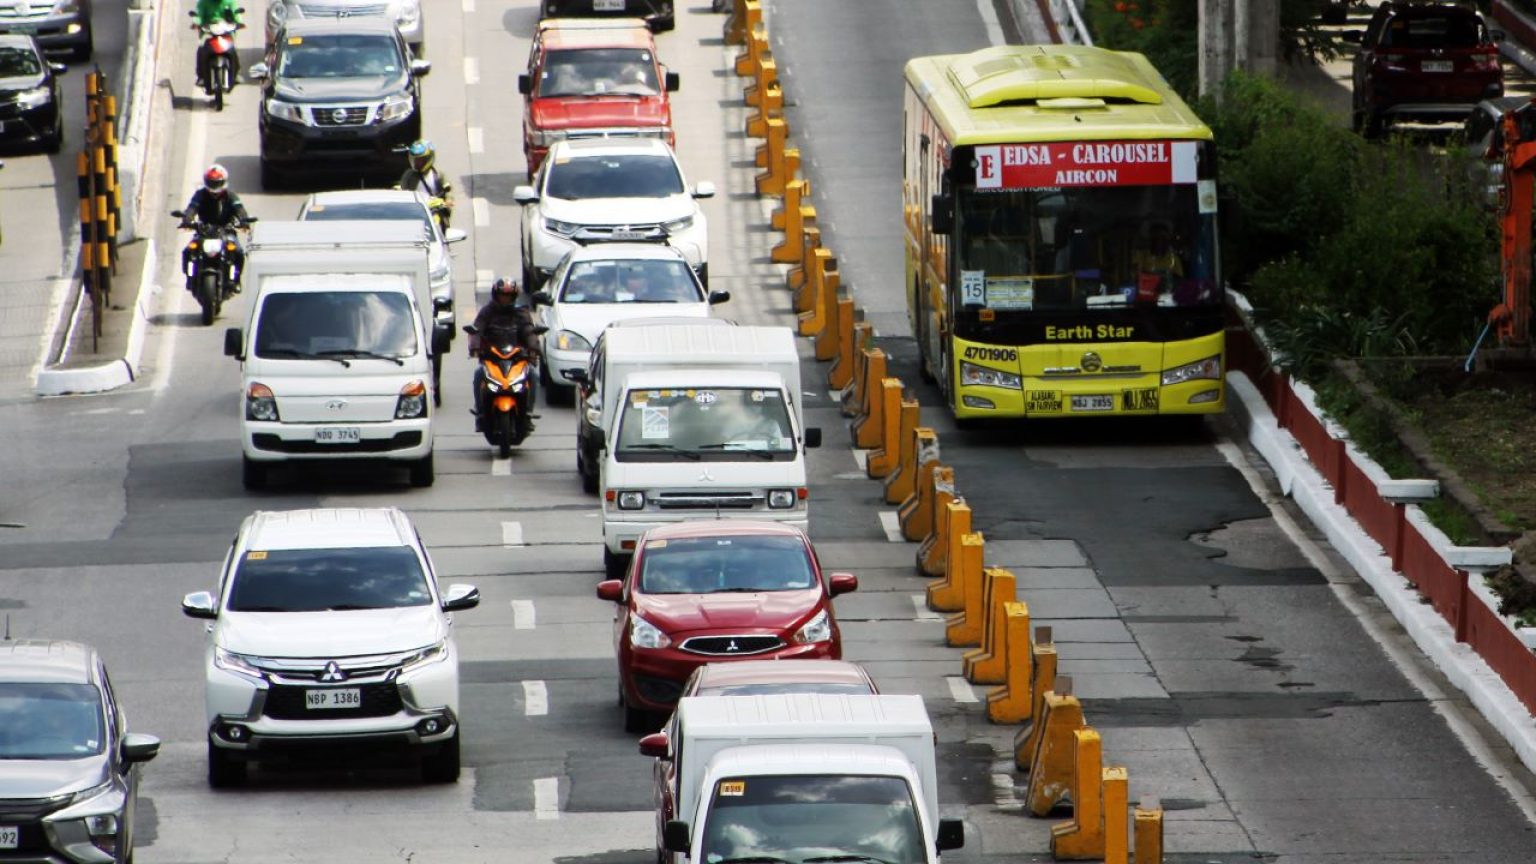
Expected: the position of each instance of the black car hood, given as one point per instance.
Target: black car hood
(365, 89)
(21, 82)
(46, 778)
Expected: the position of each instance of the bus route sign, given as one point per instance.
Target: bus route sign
(1086, 163)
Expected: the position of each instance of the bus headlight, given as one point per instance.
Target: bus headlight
(973, 375)
(1209, 368)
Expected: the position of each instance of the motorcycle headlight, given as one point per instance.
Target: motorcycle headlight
(677, 225)
(407, 14)
(239, 664)
(260, 404)
(35, 97)
(280, 110)
(971, 374)
(570, 340)
(562, 229)
(412, 402)
(431, 654)
(213, 247)
(1209, 368)
(818, 629)
(395, 108)
(644, 634)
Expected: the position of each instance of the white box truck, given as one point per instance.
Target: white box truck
(807, 777)
(696, 421)
(337, 354)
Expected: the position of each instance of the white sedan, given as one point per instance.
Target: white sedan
(594, 286)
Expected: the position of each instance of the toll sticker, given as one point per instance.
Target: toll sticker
(295, 40)
(654, 422)
(256, 556)
(705, 397)
(734, 788)
(638, 398)
(758, 395)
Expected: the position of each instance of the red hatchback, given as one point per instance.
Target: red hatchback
(1423, 62)
(711, 591)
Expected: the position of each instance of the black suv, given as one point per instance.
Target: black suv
(338, 94)
(30, 99)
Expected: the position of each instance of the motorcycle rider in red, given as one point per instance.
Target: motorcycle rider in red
(207, 12)
(216, 204)
(503, 312)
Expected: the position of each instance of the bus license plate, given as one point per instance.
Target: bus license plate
(338, 435)
(348, 697)
(1139, 400)
(1437, 65)
(1093, 403)
(10, 837)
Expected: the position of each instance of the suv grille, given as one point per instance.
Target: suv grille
(324, 10)
(349, 115)
(732, 646)
(25, 9)
(287, 703)
(696, 501)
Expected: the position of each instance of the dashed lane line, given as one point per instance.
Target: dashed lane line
(482, 212)
(546, 798)
(960, 689)
(523, 617)
(511, 534)
(890, 522)
(471, 70)
(535, 698)
(476, 137)
(501, 467)
(920, 605)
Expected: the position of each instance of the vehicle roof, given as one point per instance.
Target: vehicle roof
(789, 716)
(606, 146)
(713, 344)
(330, 232)
(306, 283)
(1020, 93)
(566, 33)
(626, 251)
(363, 196)
(1421, 9)
(350, 24)
(328, 528)
(685, 378)
(802, 671)
(659, 320)
(48, 660)
(792, 760)
(723, 528)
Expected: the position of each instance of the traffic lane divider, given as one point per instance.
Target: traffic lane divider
(1014, 701)
(895, 411)
(1148, 820)
(1043, 681)
(933, 552)
(1082, 836)
(901, 483)
(988, 662)
(915, 515)
(963, 628)
(869, 423)
(840, 373)
(1054, 760)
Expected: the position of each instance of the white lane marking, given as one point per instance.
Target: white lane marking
(501, 467)
(192, 177)
(862, 458)
(1454, 716)
(469, 6)
(476, 139)
(471, 70)
(920, 604)
(546, 798)
(523, 617)
(482, 212)
(891, 522)
(511, 534)
(989, 18)
(535, 698)
(1003, 794)
(960, 689)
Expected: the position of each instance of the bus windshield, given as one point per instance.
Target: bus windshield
(1085, 248)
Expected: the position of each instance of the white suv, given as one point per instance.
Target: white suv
(329, 631)
(604, 190)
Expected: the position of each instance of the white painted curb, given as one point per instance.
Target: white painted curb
(139, 64)
(116, 373)
(1430, 632)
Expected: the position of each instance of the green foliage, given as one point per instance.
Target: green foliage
(1164, 30)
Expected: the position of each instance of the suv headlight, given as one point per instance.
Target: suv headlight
(425, 657)
(1209, 368)
(781, 499)
(239, 664)
(632, 500)
(546, 137)
(280, 110)
(818, 629)
(970, 374)
(677, 225)
(395, 108)
(560, 229)
(644, 634)
(35, 97)
(260, 404)
(570, 340)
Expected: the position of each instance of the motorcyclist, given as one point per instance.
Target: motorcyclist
(421, 174)
(216, 204)
(503, 312)
(206, 13)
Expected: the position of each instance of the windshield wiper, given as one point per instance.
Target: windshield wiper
(847, 858)
(261, 609)
(354, 352)
(754, 859)
(760, 453)
(350, 607)
(666, 448)
(302, 355)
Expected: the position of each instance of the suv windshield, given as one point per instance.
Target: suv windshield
(807, 819)
(615, 175)
(45, 720)
(319, 580)
(598, 72)
(707, 565)
(336, 324)
(339, 55)
(633, 281)
(19, 63)
(728, 420)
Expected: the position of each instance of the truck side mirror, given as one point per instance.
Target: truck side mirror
(234, 340)
(675, 836)
(524, 84)
(611, 590)
(843, 583)
(951, 834)
(420, 68)
(541, 298)
(442, 338)
(813, 437)
(655, 744)
(673, 82)
(943, 219)
(718, 297)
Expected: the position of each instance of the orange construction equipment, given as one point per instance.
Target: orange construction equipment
(1511, 319)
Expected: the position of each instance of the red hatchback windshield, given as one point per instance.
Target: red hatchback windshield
(712, 565)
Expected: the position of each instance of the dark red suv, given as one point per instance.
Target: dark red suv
(1423, 62)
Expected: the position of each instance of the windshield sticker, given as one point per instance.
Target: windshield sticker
(1011, 292)
(757, 396)
(733, 787)
(622, 296)
(973, 287)
(705, 397)
(295, 40)
(656, 544)
(1206, 195)
(786, 443)
(256, 556)
(654, 422)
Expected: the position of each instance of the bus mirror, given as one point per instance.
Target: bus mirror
(943, 214)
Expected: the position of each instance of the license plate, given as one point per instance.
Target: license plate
(629, 235)
(10, 837)
(1437, 65)
(338, 435)
(1139, 400)
(1093, 403)
(346, 697)
(608, 5)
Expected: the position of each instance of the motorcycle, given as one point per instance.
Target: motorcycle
(505, 394)
(437, 192)
(208, 263)
(219, 38)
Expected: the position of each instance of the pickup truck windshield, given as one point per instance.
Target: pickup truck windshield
(808, 818)
(599, 72)
(719, 423)
(336, 324)
(317, 580)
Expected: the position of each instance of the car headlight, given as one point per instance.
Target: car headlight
(66, 7)
(677, 225)
(631, 500)
(1209, 368)
(644, 634)
(570, 340)
(546, 137)
(395, 108)
(260, 403)
(412, 402)
(658, 132)
(818, 629)
(239, 664)
(781, 499)
(35, 97)
(425, 657)
(562, 229)
(971, 374)
(407, 14)
(280, 110)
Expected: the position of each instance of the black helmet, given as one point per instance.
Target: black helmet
(504, 287)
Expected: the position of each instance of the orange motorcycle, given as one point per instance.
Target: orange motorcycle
(504, 391)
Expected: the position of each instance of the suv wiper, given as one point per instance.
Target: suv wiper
(354, 352)
(666, 448)
(755, 859)
(846, 858)
(261, 609)
(351, 607)
(765, 455)
(301, 355)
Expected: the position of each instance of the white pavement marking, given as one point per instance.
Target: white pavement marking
(960, 689)
(469, 6)
(482, 212)
(862, 458)
(501, 467)
(920, 604)
(471, 70)
(989, 18)
(511, 534)
(476, 139)
(1002, 792)
(523, 617)
(546, 798)
(891, 522)
(535, 698)
(1442, 704)
(197, 144)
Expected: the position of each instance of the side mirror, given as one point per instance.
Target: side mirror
(442, 338)
(578, 376)
(951, 834)
(541, 298)
(524, 84)
(234, 341)
(540, 330)
(58, 68)
(139, 748)
(455, 235)
(675, 836)
(813, 437)
(199, 604)
(460, 597)
(672, 82)
(843, 583)
(655, 745)
(943, 220)
(611, 590)
(179, 214)
(1355, 36)
(704, 189)
(258, 72)
(525, 195)
(420, 68)
(718, 297)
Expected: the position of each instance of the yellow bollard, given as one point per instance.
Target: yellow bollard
(1116, 837)
(776, 219)
(763, 77)
(768, 106)
(794, 280)
(1013, 702)
(900, 416)
(1149, 832)
(829, 342)
(754, 39)
(1052, 763)
(902, 481)
(735, 27)
(841, 370)
(821, 264)
(988, 662)
(933, 551)
(1042, 680)
(871, 420)
(915, 515)
(851, 399)
(824, 299)
(793, 224)
(963, 628)
(946, 594)
(1082, 836)
(781, 170)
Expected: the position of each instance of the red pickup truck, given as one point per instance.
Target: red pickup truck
(593, 78)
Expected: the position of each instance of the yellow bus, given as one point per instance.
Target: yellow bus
(1060, 209)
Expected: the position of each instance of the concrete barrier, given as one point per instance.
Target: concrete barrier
(766, 98)
(1116, 781)
(840, 374)
(1052, 763)
(821, 293)
(963, 629)
(1042, 680)
(1014, 701)
(780, 163)
(817, 268)
(735, 26)
(900, 419)
(915, 514)
(944, 594)
(870, 423)
(1148, 819)
(795, 279)
(754, 39)
(829, 342)
(933, 551)
(988, 662)
(919, 447)
(852, 400)
(792, 219)
(1082, 836)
